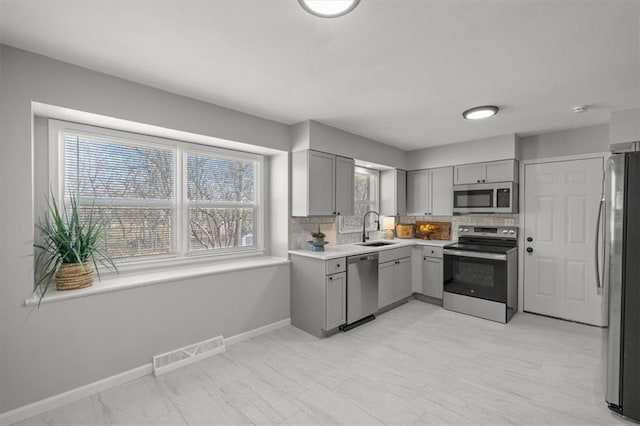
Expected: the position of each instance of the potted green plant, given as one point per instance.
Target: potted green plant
(69, 247)
(318, 240)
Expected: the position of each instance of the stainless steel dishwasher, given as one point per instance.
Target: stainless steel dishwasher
(362, 289)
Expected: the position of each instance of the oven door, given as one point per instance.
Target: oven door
(476, 274)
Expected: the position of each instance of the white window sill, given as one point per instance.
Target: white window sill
(156, 276)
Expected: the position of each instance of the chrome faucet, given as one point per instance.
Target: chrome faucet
(364, 224)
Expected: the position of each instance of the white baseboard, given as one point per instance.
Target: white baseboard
(256, 332)
(72, 395)
(56, 401)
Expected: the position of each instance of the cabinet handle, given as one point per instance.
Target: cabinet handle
(334, 212)
(338, 265)
(330, 278)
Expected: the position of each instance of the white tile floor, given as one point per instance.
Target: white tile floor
(417, 364)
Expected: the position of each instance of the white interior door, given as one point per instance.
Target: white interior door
(560, 212)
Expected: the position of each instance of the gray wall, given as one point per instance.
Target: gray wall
(313, 135)
(583, 140)
(489, 149)
(625, 126)
(69, 344)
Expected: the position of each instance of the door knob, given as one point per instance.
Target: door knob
(529, 250)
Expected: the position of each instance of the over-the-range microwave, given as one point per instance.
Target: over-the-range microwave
(499, 197)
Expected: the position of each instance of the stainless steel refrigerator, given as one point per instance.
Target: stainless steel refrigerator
(622, 279)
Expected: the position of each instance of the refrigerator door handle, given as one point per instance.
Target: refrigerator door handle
(597, 246)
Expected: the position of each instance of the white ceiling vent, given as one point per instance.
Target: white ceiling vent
(177, 358)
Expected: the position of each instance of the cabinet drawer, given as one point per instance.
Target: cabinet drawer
(336, 265)
(432, 251)
(393, 254)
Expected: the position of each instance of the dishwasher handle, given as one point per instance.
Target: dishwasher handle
(362, 258)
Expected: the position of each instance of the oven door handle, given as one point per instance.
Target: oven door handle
(477, 254)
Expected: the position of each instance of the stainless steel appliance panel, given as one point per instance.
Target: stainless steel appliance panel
(487, 309)
(362, 286)
(613, 283)
(480, 272)
(486, 198)
(630, 371)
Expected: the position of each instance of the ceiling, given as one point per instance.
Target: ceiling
(397, 71)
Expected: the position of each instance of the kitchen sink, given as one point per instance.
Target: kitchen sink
(377, 243)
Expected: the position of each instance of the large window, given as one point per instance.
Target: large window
(160, 198)
(365, 198)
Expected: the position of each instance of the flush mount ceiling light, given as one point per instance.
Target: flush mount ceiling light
(480, 112)
(580, 109)
(328, 8)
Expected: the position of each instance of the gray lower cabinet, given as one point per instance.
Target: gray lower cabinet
(335, 305)
(432, 272)
(318, 294)
(394, 281)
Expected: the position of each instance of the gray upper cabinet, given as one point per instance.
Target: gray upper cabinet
(493, 171)
(321, 184)
(345, 171)
(430, 192)
(393, 192)
(442, 191)
(418, 194)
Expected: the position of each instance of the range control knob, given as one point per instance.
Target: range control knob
(504, 231)
(511, 231)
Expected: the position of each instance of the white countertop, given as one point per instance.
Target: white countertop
(342, 250)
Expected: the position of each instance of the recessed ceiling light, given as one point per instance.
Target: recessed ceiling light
(328, 8)
(480, 112)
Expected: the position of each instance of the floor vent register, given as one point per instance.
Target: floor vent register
(177, 358)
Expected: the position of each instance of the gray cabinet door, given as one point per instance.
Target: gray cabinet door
(402, 286)
(335, 300)
(501, 171)
(401, 192)
(386, 272)
(321, 175)
(492, 171)
(432, 277)
(442, 191)
(418, 196)
(345, 171)
(468, 173)
(393, 192)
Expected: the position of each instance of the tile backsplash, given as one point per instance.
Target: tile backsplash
(300, 228)
(471, 219)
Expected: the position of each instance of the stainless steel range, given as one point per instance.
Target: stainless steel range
(481, 272)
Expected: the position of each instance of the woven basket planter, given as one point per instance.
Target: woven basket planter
(71, 276)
